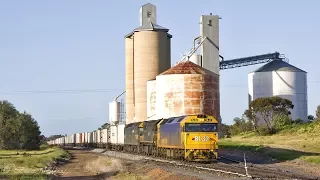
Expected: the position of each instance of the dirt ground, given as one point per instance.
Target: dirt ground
(87, 165)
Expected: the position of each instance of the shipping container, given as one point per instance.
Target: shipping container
(117, 134)
(121, 133)
(98, 132)
(105, 136)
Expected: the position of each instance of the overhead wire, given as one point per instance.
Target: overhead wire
(66, 91)
(71, 91)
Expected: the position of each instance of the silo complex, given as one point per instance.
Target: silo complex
(147, 55)
(279, 78)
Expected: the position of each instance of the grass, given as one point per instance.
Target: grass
(128, 176)
(299, 141)
(28, 164)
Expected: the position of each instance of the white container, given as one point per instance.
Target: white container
(117, 134)
(77, 138)
(105, 136)
(99, 136)
(89, 137)
(114, 134)
(121, 133)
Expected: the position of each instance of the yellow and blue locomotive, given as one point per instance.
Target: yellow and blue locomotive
(192, 137)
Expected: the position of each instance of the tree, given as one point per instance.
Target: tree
(252, 117)
(318, 113)
(310, 117)
(225, 130)
(241, 125)
(7, 115)
(30, 133)
(268, 109)
(17, 130)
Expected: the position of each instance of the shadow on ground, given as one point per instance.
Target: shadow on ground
(24, 176)
(98, 176)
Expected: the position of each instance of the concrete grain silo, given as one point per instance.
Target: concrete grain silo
(278, 78)
(129, 79)
(147, 55)
(187, 89)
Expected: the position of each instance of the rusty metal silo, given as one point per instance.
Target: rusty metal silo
(187, 89)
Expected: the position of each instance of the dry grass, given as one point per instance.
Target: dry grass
(128, 176)
(295, 142)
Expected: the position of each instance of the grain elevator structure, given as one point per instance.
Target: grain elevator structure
(154, 89)
(147, 55)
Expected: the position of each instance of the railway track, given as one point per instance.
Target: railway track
(225, 165)
(253, 172)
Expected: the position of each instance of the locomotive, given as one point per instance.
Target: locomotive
(188, 137)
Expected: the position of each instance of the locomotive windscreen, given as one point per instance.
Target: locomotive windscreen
(203, 127)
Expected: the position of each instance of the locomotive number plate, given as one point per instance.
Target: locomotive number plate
(201, 138)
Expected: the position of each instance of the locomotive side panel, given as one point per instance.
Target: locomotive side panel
(131, 134)
(170, 136)
(149, 131)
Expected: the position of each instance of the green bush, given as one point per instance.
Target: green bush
(280, 121)
(241, 125)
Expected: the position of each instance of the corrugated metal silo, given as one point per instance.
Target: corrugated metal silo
(187, 89)
(278, 78)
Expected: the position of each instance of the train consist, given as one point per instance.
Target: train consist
(189, 137)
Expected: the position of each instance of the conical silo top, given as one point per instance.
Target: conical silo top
(187, 67)
(278, 65)
(150, 26)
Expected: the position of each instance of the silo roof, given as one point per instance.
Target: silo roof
(149, 27)
(187, 67)
(278, 65)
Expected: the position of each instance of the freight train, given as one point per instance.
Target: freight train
(188, 137)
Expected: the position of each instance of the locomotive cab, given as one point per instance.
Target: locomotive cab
(200, 135)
